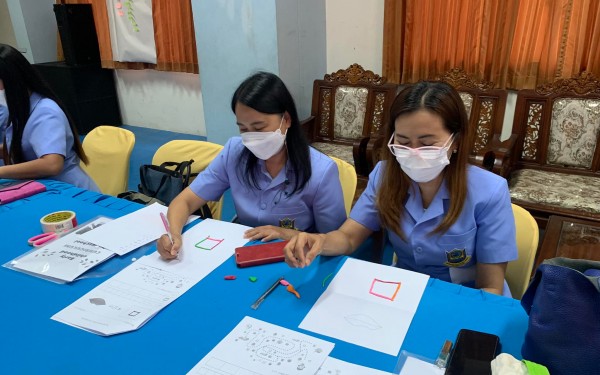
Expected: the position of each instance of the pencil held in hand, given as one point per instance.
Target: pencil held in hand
(167, 228)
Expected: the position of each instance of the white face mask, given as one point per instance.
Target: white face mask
(264, 144)
(3, 98)
(421, 164)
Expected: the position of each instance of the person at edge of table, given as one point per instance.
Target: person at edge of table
(39, 138)
(278, 183)
(444, 217)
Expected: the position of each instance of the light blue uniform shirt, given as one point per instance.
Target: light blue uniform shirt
(319, 207)
(48, 132)
(484, 231)
(3, 123)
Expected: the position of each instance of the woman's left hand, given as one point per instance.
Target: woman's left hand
(268, 233)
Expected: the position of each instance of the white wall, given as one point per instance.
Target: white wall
(354, 34)
(34, 27)
(161, 100)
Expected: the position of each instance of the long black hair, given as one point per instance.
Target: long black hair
(266, 93)
(20, 81)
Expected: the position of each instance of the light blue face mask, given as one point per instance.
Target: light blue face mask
(3, 98)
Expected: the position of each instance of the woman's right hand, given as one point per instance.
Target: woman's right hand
(303, 249)
(166, 249)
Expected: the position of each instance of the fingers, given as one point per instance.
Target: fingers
(288, 251)
(302, 250)
(166, 249)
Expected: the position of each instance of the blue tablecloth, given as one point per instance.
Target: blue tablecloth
(180, 335)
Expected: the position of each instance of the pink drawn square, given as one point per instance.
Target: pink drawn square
(385, 289)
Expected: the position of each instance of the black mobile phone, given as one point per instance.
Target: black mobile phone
(473, 353)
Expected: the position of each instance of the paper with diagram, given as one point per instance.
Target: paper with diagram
(65, 258)
(131, 297)
(131, 231)
(334, 366)
(368, 304)
(255, 347)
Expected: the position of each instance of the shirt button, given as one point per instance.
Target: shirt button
(419, 250)
(263, 206)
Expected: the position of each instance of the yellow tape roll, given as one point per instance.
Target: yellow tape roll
(59, 221)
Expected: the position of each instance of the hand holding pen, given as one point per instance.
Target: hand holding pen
(168, 245)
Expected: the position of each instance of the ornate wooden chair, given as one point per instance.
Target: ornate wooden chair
(348, 106)
(485, 107)
(554, 165)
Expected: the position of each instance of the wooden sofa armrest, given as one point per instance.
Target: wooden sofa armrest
(373, 150)
(359, 154)
(308, 126)
(497, 155)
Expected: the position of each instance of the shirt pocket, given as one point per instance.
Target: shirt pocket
(458, 249)
(292, 217)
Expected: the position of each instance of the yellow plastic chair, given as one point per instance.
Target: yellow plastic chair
(518, 272)
(202, 153)
(108, 149)
(348, 180)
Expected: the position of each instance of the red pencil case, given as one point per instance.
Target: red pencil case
(254, 255)
(20, 190)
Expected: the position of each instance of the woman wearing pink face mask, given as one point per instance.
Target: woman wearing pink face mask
(278, 183)
(443, 217)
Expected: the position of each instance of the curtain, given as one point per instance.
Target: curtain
(173, 34)
(554, 39)
(515, 44)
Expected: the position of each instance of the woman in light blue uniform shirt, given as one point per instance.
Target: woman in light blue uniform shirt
(443, 217)
(278, 183)
(38, 138)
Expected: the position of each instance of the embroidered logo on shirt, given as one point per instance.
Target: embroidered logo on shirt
(288, 223)
(457, 258)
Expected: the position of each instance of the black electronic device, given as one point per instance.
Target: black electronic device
(77, 33)
(473, 353)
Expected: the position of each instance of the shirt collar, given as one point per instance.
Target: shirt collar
(414, 204)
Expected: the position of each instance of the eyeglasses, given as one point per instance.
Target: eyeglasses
(426, 152)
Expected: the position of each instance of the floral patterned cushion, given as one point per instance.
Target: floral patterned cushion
(350, 108)
(343, 152)
(556, 189)
(573, 132)
(467, 101)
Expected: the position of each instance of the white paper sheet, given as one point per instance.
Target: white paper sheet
(334, 366)
(131, 231)
(206, 246)
(66, 258)
(415, 366)
(130, 298)
(368, 304)
(255, 347)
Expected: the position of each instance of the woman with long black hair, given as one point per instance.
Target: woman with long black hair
(278, 183)
(39, 139)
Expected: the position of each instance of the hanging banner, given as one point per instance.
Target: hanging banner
(131, 30)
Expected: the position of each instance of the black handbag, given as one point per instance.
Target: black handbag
(563, 304)
(164, 184)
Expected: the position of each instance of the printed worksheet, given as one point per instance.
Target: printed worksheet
(333, 366)
(255, 347)
(368, 304)
(131, 231)
(126, 301)
(133, 296)
(65, 258)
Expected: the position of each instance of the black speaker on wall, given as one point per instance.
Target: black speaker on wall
(77, 33)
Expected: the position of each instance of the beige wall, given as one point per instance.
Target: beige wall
(7, 35)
